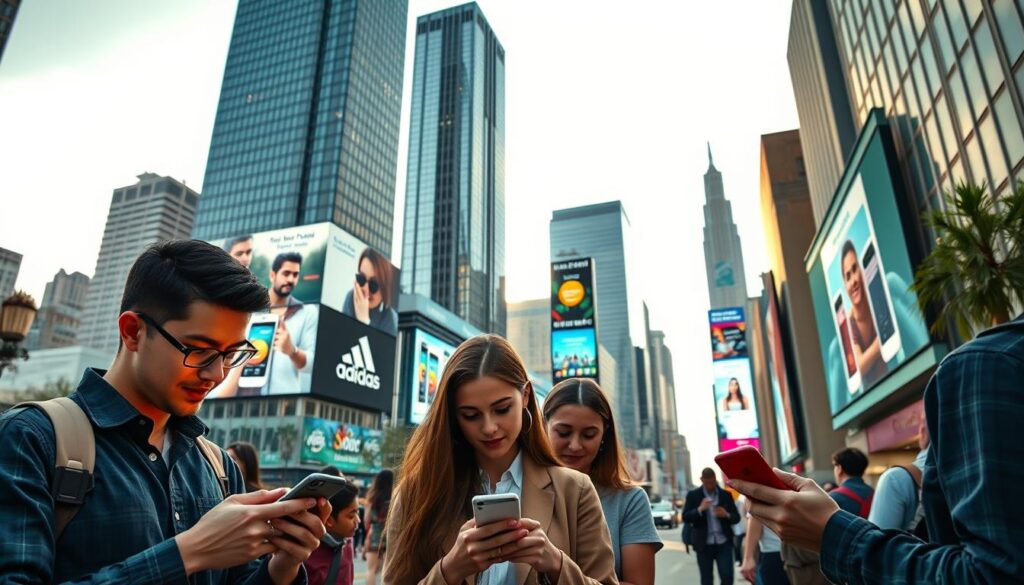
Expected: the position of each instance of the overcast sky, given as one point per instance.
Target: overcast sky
(605, 101)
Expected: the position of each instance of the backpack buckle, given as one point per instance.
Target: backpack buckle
(71, 484)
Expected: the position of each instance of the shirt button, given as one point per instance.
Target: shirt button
(177, 517)
(152, 456)
(142, 422)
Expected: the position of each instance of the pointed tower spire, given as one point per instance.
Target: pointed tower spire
(711, 161)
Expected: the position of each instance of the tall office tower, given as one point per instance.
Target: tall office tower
(307, 123)
(603, 232)
(60, 314)
(827, 130)
(10, 265)
(8, 11)
(723, 255)
(950, 78)
(454, 244)
(663, 379)
(529, 331)
(153, 209)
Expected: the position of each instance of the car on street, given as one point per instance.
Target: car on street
(664, 514)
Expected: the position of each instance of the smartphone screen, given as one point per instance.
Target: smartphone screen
(844, 335)
(432, 376)
(261, 335)
(876, 291)
(422, 367)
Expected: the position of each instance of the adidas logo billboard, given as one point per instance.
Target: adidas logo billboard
(357, 367)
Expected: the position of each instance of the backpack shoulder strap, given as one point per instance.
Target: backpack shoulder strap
(212, 453)
(914, 472)
(864, 503)
(75, 447)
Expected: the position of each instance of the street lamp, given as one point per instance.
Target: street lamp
(16, 316)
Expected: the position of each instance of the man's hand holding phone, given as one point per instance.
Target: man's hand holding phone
(797, 514)
(720, 512)
(245, 527)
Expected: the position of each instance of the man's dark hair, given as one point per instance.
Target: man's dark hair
(852, 461)
(708, 472)
(286, 257)
(171, 275)
(232, 242)
(344, 498)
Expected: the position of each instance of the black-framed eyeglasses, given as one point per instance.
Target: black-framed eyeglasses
(201, 357)
(361, 280)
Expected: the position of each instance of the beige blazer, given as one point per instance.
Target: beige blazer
(566, 504)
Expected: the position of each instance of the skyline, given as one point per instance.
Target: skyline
(614, 120)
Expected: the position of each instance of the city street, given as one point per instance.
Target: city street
(674, 566)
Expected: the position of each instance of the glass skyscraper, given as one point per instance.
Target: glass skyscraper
(308, 118)
(949, 76)
(723, 254)
(454, 241)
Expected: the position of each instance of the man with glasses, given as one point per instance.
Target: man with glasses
(295, 337)
(155, 512)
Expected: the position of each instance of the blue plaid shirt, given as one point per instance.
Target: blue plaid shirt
(124, 532)
(972, 481)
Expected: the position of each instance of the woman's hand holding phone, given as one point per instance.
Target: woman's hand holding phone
(535, 550)
(478, 547)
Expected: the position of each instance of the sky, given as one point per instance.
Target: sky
(604, 101)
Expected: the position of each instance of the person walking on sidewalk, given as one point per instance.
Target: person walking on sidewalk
(375, 520)
(712, 513)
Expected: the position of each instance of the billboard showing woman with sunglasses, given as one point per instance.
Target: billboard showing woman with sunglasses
(371, 299)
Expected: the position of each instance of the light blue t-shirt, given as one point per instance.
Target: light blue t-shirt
(628, 514)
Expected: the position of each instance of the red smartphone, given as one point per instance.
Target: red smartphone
(746, 463)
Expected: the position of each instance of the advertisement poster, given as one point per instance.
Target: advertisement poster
(728, 334)
(350, 448)
(782, 394)
(733, 385)
(355, 363)
(868, 319)
(430, 355)
(574, 354)
(572, 294)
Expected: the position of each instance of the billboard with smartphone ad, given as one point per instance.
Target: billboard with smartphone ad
(860, 272)
(350, 448)
(321, 263)
(574, 354)
(430, 356)
(781, 392)
(733, 385)
(572, 294)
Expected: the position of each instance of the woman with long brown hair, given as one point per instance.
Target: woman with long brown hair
(583, 434)
(483, 434)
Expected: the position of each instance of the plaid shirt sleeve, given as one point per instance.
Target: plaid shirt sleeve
(975, 409)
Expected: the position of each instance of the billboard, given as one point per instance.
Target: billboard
(859, 271)
(781, 391)
(327, 288)
(733, 386)
(573, 320)
(350, 448)
(429, 356)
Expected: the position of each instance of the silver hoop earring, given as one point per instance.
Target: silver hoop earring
(529, 420)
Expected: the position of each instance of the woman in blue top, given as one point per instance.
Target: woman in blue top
(582, 431)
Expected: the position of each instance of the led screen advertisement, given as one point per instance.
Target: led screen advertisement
(573, 320)
(868, 319)
(733, 385)
(355, 363)
(781, 392)
(350, 448)
(429, 355)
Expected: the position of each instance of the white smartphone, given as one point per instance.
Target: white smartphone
(881, 305)
(262, 328)
(846, 343)
(495, 507)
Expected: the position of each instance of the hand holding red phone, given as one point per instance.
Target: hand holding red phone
(797, 514)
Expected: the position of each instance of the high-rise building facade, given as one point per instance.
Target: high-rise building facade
(827, 129)
(788, 215)
(155, 208)
(949, 77)
(60, 314)
(8, 12)
(666, 422)
(308, 118)
(602, 232)
(723, 255)
(10, 265)
(454, 241)
(529, 331)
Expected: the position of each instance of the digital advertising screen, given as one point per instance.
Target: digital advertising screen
(572, 294)
(430, 355)
(350, 448)
(733, 385)
(355, 363)
(574, 354)
(728, 334)
(781, 391)
(860, 272)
